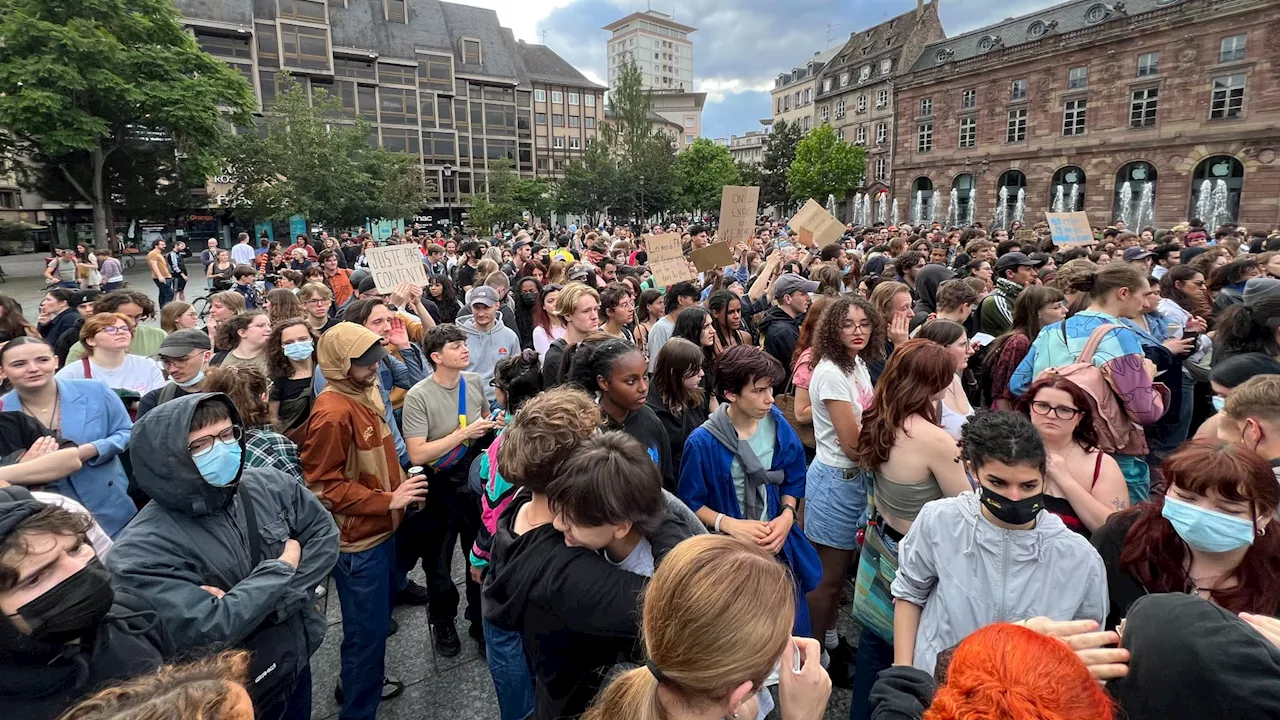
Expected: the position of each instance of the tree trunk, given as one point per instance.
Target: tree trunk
(99, 197)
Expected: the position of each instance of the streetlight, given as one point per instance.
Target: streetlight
(448, 172)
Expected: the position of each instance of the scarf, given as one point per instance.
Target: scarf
(334, 352)
(721, 428)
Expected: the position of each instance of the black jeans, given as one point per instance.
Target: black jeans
(165, 294)
(450, 518)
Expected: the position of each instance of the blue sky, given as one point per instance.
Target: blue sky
(740, 46)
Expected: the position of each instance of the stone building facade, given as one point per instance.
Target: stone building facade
(568, 109)
(793, 92)
(1120, 110)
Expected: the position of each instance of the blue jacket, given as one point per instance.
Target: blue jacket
(705, 481)
(93, 413)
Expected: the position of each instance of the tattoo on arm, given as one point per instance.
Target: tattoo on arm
(1119, 504)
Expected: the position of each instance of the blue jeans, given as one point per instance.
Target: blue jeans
(510, 670)
(366, 587)
(874, 655)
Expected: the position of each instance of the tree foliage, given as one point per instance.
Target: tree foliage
(702, 171)
(779, 153)
(316, 163)
(81, 82)
(825, 165)
(509, 196)
(749, 174)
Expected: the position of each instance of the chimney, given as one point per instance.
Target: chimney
(919, 6)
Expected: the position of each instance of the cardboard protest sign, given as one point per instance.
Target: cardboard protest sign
(1070, 229)
(825, 228)
(666, 259)
(1024, 234)
(395, 264)
(738, 207)
(714, 256)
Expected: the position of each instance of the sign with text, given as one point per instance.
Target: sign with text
(1024, 234)
(1070, 229)
(823, 227)
(738, 206)
(712, 257)
(666, 260)
(395, 264)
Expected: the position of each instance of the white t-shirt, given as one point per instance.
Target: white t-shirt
(829, 382)
(136, 373)
(639, 562)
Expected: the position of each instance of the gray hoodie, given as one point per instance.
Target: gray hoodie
(967, 573)
(193, 534)
(499, 342)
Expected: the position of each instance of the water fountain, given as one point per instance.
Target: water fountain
(856, 209)
(953, 208)
(935, 206)
(866, 209)
(1001, 218)
(1204, 203)
(1146, 210)
(973, 207)
(882, 208)
(1075, 198)
(917, 212)
(1126, 203)
(895, 212)
(831, 205)
(1220, 214)
(1058, 201)
(1020, 208)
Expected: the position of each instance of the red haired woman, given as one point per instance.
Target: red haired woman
(1207, 536)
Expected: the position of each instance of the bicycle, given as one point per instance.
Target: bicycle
(126, 261)
(201, 306)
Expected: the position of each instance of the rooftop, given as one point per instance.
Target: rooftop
(652, 16)
(808, 70)
(543, 65)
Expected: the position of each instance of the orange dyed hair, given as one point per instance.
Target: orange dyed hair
(1007, 672)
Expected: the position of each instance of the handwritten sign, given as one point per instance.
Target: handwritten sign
(825, 228)
(666, 260)
(716, 255)
(1070, 229)
(1024, 234)
(738, 207)
(395, 264)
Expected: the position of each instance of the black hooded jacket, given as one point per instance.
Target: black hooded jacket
(927, 282)
(781, 333)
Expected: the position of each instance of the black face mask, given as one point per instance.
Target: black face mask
(73, 607)
(1014, 512)
(529, 298)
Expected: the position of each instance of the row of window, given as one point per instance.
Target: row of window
(558, 120)
(863, 75)
(574, 143)
(557, 97)
(882, 100)
(1226, 102)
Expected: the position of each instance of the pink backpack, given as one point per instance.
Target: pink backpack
(1112, 424)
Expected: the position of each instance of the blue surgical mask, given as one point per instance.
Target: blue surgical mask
(1219, 402)
(1207, 530)
(220, 465)
(299, 350)
(188, 383)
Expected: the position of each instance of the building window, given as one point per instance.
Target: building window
(557, 97)
(689, 122)
(396, 74)
(862, 103)
(844, 79)
(1228, 97)
(1220, 171)
(882, 168)
(396, 11)
(354, 69)
(304, 47)
(589, 100)
(826, 85)
(1232, 48)
(882, 99)
(1016, 128)
(688, 139)
(808, 96)
(882, 132)
(223, 46)
(806, 123)
(557, 142)
(1135, 176)
(839, 134)
(968, 132)
(539, 118)
(396, 106)
(557, 120)
(573, 98)
(926, 107)
(589, 122)
(860, 135)
(1142, 110)
(864, 73)
(1015, 180)
(1148, 64)
(885, 66)
(924, 138)
(1018, 90)
(1077, 77)
(542, 163)
(573, 121)
(839, 109)
(824, 113)
(302, 10)
(436, 73)
(968, 99)
(471, 52)
(404, 140)
(575, 143)
(1068, 189)
(540, 95)
(1073, 117)
(8, 199)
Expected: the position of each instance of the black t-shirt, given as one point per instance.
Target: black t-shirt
(466, 276)
(644, 425)
(551, 363)
(17, 432)
(285, 390)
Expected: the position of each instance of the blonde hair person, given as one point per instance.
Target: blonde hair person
(316, 300)
(178, 315)
(578, 308)
(712, 646)
(208, 689)
(283, 305)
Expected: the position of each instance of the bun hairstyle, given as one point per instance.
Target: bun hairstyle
(520, 377)
(705, 636)
(593, 358)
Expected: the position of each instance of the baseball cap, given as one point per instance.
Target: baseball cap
(578, 272)
(374, 354)
(1009, 261)
(367, 284)
(85, 296)
(482, 295)
(181, 343)
(520, 243)
(788, 283)
(1135, 253)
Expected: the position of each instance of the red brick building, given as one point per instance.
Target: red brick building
(1088, 95)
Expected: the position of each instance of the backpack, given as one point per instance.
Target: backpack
(1112, 424)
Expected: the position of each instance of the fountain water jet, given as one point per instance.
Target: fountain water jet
(973, 207)
(895, 212)
(1058, 201)
(1126, 204)
(1146, 208)
(935, 206)
(1020, 208)
(1001, 218)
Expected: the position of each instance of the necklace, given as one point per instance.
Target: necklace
(53, 413)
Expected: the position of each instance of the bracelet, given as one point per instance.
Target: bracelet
(719, 517)
(792, 508)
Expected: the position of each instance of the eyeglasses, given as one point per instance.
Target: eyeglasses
(318, 301)
(170, 362)
(204, 444)
(117, 330)
(1058, 411)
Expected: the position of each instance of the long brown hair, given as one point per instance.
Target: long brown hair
(677, 360)
(807, 327)
(278, 364)
(1026, 319)
(196, 691)
(704, 636)
(284, 306)
(246, 385)
(916, 371)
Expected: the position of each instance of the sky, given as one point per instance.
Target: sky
(740, 46)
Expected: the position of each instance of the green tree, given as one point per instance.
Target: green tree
(779, 153)
(643, 156)
(587, 186)
(496, 206)
(702, 171)
(749, 173)
(326, 171)
(825, 165)
(80, 81)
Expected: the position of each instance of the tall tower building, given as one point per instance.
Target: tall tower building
(658, 45)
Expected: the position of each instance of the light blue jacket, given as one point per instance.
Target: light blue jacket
(93, 413)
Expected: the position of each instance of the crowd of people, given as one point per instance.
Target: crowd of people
(1042, 476)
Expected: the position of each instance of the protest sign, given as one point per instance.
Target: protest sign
(395, 264)
(1070, 229)
(716, 255)
(825, 228)
(1024, 234)
(666, 260)
(737, 214)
